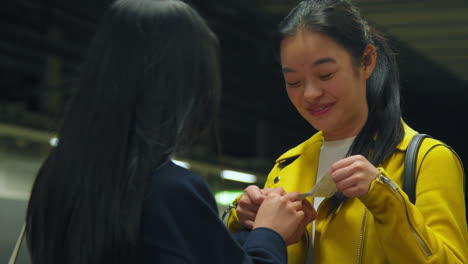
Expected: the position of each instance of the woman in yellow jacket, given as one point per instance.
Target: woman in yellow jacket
(342, 78)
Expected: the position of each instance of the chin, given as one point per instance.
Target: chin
(320, 123)
(324, 127)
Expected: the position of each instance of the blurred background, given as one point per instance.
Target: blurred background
(42, 43)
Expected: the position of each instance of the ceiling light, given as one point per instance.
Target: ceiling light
(238, 176)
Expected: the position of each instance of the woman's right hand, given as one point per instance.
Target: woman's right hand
(250, 202)
(285, 214)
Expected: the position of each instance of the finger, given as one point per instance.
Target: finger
(346, 183)
(249, 224)
(246, 204)
(360, 177)
(254, 194)
(266, 191)
(306, 204)
(342, 163)
(292, 196)
(309, 210)
(341, 174)
(246, 215)
(300, 215)
(356, 191)
(279, 191)
(297, 205)
(347, 162)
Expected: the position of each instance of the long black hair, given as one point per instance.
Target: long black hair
(150, 84)
(341, 21)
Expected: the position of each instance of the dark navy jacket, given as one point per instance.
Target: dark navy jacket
(180, 224)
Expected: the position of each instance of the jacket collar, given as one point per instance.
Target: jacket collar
(317, 138)
(409, 134)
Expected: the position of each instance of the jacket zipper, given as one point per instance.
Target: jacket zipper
(395, 188)
(361, 237)
(309, 241)
(309, 237)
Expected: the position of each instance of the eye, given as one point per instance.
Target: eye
(327, 76)
(292, 83)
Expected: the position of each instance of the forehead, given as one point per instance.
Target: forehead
(308, 45)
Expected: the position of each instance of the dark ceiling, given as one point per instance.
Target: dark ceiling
(42, 42)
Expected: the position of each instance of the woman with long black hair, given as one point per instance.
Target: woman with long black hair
(108, 193)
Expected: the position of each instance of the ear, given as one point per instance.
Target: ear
(369, 58)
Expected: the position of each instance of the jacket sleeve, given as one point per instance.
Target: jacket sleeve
(432, 231)
(181, 225)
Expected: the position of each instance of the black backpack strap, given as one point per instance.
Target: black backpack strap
(409, 184)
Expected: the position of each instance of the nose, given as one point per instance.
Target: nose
(312, 90)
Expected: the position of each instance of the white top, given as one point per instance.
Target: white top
(330, 152)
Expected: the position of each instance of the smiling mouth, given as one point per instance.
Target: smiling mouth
(321, 110)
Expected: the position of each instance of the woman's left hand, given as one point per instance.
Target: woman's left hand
(353, 175)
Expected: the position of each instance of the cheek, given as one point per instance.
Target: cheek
(351, 93)
(339, 87)
(294, 95)
(333, 87)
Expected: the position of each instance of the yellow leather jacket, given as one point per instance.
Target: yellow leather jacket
(383, 226)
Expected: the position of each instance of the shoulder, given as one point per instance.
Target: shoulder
(171, 180)
(435, 150)
(175, 192)
(410, 133)
(430, 148)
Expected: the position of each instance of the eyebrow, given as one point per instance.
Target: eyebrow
(315, 63)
